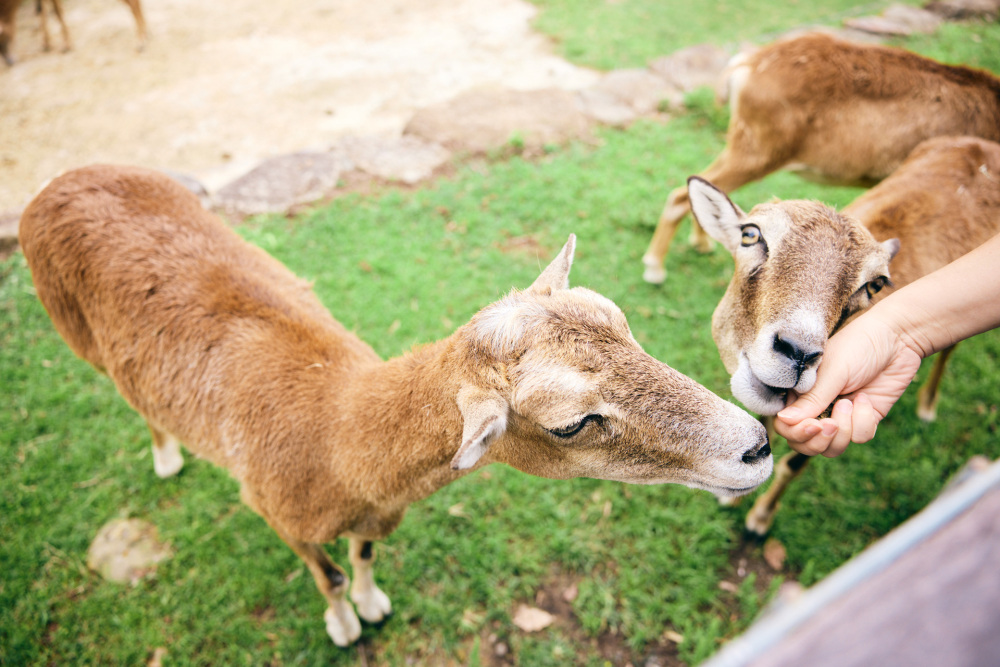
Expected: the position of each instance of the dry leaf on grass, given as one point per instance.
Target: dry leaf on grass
(774, 553)
(673, 636)
(532, 619)
(471, 619)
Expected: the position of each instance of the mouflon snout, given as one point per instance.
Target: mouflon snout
(801, 270)
(782, 356)
(801, 356)
(741, 458)
(676, 430)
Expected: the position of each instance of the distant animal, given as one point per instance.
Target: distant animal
(8, 25)
(803, 270)
(219, 346)
(836, 112)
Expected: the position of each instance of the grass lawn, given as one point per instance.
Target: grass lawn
(629, 33)
(402, 268)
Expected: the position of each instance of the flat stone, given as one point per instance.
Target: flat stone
(484, 119)
(919, 20)
(605, 108)
(898, 20)
(278, 184)
(126, 550)
(693, 67)
(640, 89)
(879, 25)
(960, 10)
(406, 159)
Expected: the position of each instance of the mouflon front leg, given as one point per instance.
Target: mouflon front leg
(373, 605)
(167, 457)
(342, 623)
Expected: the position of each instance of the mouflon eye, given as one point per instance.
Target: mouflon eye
(875, 286)
(751, 235)
(570, 431)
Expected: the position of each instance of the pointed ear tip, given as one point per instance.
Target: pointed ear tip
(456, 461)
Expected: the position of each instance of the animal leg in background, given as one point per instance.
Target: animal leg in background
(373, 605)
(927, 397)
(727, 173)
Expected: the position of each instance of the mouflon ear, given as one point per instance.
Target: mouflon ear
(484, 413)
(891, 246)
(556, 275)
(715, 212)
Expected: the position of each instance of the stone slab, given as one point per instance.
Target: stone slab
(640, 89)
(404, 159)
(962, 10)
(694, 67)
(281, 182)
(126, 550)
(484, 119)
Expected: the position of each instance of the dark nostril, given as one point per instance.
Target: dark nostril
(756, 455)
(784, 348)
(794, 352)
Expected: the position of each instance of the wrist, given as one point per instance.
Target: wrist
(911, 325)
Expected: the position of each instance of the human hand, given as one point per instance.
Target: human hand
(869, 364)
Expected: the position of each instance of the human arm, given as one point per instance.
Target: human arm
(872, 360)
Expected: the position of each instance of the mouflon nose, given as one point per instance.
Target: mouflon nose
(801, 355)
(758, 453)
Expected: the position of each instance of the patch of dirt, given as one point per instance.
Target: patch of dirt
(220, 86)
(527, 246)
(744, 560)
(611, 647)
(747, 559)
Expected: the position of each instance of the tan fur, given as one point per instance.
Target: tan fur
(8, 25)
(217, 344)
(838, 112)
(941, 203)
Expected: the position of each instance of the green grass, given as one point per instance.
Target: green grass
(402, 268)
(630, 33)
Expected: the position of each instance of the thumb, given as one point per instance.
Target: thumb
(812, 403)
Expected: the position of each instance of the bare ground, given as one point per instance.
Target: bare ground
(220, 86)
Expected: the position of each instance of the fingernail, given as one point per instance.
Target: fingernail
(844, 407)
(829, 428)
(862, 399)
(790, 413)
(811, 430)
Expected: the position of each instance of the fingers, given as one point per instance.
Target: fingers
(810, 437)
(865, 419)
(829, 385)
(841, 415)
(798, 434)
(850, 421)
